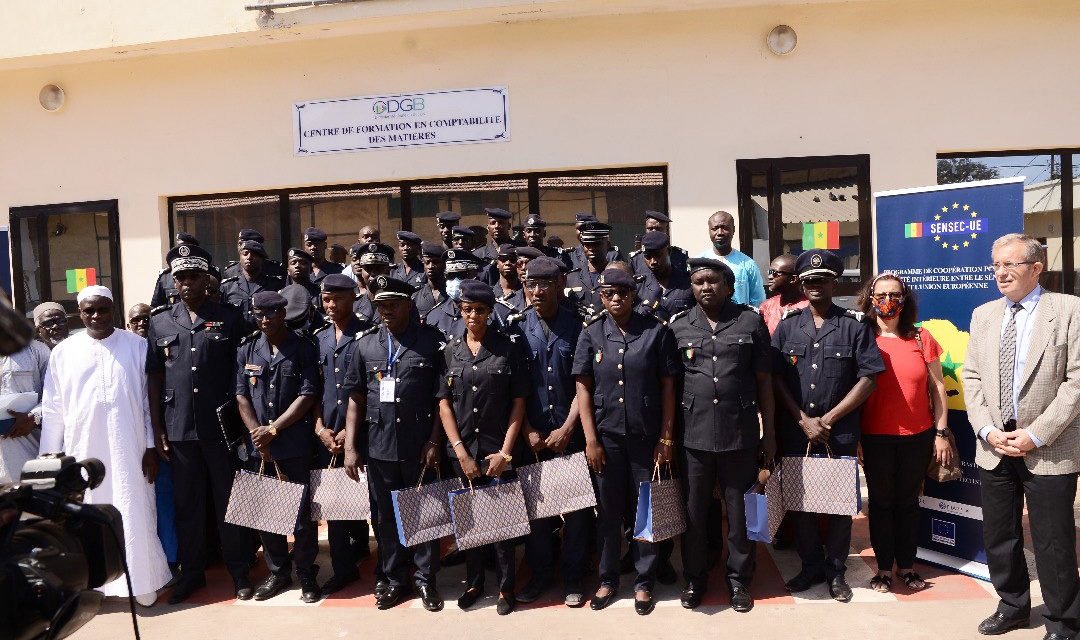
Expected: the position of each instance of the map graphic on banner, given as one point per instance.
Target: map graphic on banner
(938, 240)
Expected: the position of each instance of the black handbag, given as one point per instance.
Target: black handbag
(233, 430)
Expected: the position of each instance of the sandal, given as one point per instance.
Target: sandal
(882, 583)
(913, 581)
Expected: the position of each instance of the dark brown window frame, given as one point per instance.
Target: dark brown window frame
(745, 168)
(40, 213)
(1068, 259)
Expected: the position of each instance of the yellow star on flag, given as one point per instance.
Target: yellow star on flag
(944, 245)
(966, 207)
(937, 217)
(944, 209)
(974, 235)
(937, 238)
(966, 243)
(956, 205)
(955, 248)
(974, 213)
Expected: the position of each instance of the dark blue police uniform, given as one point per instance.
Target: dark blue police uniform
(412, 272)
(238, 291)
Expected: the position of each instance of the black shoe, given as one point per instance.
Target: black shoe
(740, 599)
(469, 598)
(645, 607)
(272, 586)
(804, 581)
(599, 602)
(665, 573)
(185, 587)
(505, 605)
(175, 579)
(381, 585)
(532, 591)
(430, 597)
(998, 623)
(309, 590)
(393, 596)
(337, 583)
(453, 558)
(691, 597)
(839, 589)
(244, 590)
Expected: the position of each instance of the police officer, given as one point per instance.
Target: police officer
(276, 386)
(482, 406)
(625, 366)
(586, 267)
(671, 282)
(461, 266)
(315, 243)
(300, 313)
(575, 258)
(300, 265)
(498, 227)
(190, 365)
(657, 221)
(433, 291)
(828, 359)
(410, 269)
(234, 267)
(337, 349)
(463, 238)
(392, 381)
(164, 291)
(534, 232)
(237, 290)
(374, 259)
(509, 297)
(446, 220)
(551, 330)
(727, 384)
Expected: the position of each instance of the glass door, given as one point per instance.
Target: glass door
(59, 249)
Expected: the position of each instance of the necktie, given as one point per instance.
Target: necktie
(1007, 359)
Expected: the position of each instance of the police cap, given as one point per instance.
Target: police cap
(433, 249)
(268, 300)
(656, 215)
(297, 302)
(654, 241)
(460, 260)
(387, 288)
(507, 250)
(462, 232)
(818, 263)
(250, 234)
(375, 253)
(300, 253)
(409, 236)
(543, 268)
(534, 221)
(612, 277)
(188, 257)
(448, 218)
(337, 282)
(184, 237)
(531, 253)
(317, 235)
(255, 247)
(497, 213)
(476, 291)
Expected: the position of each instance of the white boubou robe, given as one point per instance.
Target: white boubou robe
(95, 405)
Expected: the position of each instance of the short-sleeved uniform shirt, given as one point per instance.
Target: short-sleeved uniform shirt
(482, 388)
(820, 367)
(336, 355)
(272, 382)
(626, 372)
(719, 391)
(551, 347)
(198, 361)
(398, 429)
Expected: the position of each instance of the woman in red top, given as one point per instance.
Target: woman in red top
(901, 427)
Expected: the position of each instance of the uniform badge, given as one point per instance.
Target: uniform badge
(689, 353)
(599, 355)
(166, 352)
(184, 251)
(450, 381)
(793, 359)
(378, 376)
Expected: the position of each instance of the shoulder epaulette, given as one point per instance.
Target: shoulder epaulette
(505, 303)
(230, 279)
(231, 264)
(322, 328)
(251, 336)
(678, 315)
(634, 253)
(790, 312)
(158, 309)
(515, 317)
(594, 318)
(615, 248)
(164, 271)
(858, 315)
(374, 328)
(751, 308)
(568, 290)
(679, 250)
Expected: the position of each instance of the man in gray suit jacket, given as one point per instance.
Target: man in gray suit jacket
(1022, 388)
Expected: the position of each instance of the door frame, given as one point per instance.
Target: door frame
(39, 214)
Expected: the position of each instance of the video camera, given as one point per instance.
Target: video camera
(53, 557)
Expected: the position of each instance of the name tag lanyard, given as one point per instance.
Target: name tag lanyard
(387, 386)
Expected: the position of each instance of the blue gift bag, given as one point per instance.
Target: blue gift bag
(661, 513)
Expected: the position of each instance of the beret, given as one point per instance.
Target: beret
(612, 277)
(697, 264)
(464, 232)
(250, 234)
(654, 241)
(186, 238)
(338, 282)
(543, 268)
(495, 212)
(447, 217)
(268, 300)
(433, 249)
(476, 291)
(507, 250)
(188, 257)
(311, 233)
(300, 253)
(531, 253)
(656, 215)
(297, 301)
(409, 236)
(535, 221)
(387, 288)
(818, 263)
(255, 247)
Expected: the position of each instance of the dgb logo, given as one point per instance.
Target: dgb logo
(395, 105)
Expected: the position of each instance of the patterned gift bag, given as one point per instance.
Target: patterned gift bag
(821, 484)
(557, 486)
(265, 503)
(765, 508)
(661, 512)
(336, 496)
(422, 514)
(488, 514)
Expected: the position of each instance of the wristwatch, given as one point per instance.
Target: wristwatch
(942, 433)
(665, 441)
(273, 431)
(507, 456)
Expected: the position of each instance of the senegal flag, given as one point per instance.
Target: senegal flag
(820, 235)
(79, 279)
(913, 230)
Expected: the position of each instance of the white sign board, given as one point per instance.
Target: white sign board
(455, 116)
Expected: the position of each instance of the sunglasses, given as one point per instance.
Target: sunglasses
(777, 272)
(539, 285)
(263, 314)
(612, 293)
(48, 324)
(890, 296)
